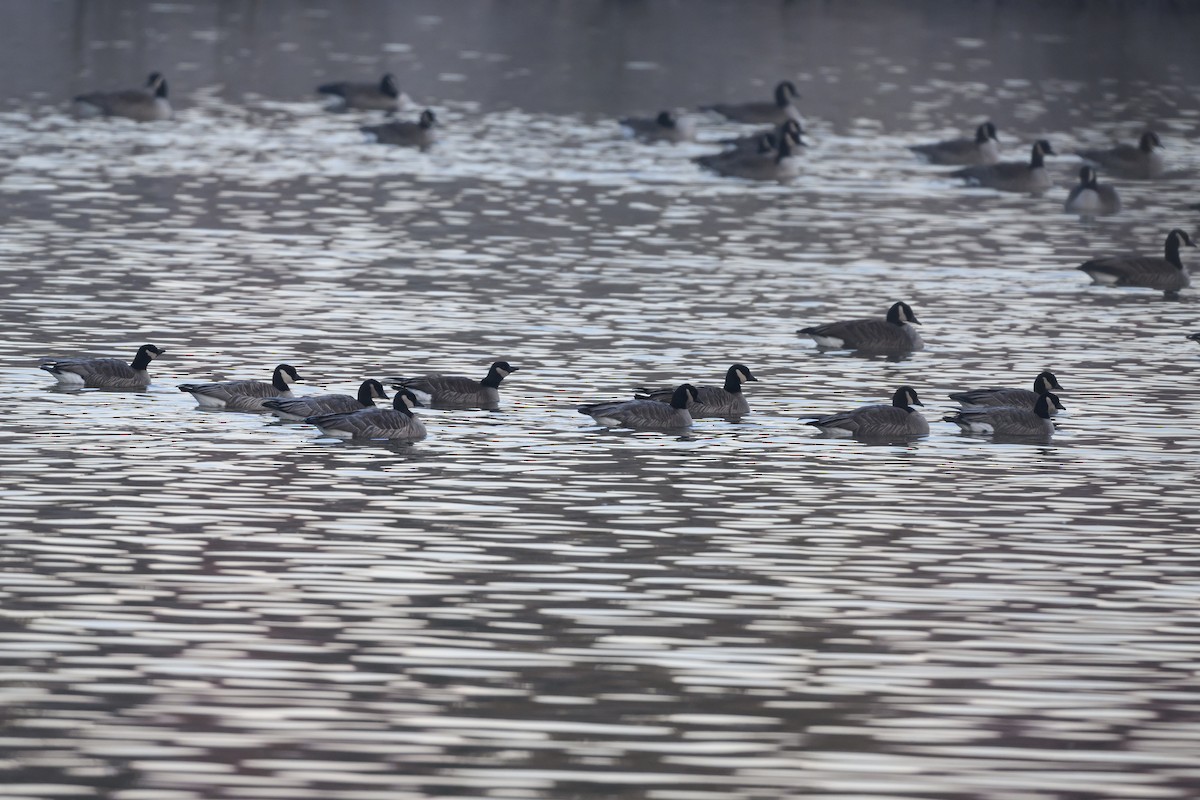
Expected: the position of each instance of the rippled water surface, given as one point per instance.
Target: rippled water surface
(204, 605)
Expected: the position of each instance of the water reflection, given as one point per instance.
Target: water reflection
(225, 606)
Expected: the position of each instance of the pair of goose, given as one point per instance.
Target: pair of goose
(997, 412)
(670, 126)
(769, 156)
(667, 409)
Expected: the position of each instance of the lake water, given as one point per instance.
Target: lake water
(220, 606)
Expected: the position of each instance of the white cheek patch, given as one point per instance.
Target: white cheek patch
(743, 377)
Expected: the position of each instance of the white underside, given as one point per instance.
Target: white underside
(609, 421)
(424, 398)
(1087, 201)
(975, 426)
(827, 341)
(834, 431)
(69, 380)
(1104, 277)
(208, 402)
(337, 433)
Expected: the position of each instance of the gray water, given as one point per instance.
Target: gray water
(204, 605)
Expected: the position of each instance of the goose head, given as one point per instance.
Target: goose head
(427, 119)
(369, 391)
(1149, 141)
(900, 313)
(784, 92)
(1045, 381)
(284, 376)
(145, 354)
(985, 132)
(387, 85)
(905, 397)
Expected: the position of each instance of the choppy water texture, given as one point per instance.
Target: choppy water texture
(214, 605)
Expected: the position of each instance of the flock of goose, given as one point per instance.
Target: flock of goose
(771, 154)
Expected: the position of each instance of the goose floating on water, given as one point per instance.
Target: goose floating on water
(147, 104)
(728, 401)
(245, 395)
(103, 373)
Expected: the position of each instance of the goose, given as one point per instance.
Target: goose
(1092, 199)
(406, 134)
(753, 143)
(1008, 420)
(983, 149)
(1130, 161)
(397, 422)
(892, 335)
(646, 415)
(1195, 337)
(899, 420)
(382, 96)
(300, 408)
(1167, 274)
(1018, 398)
(1012, 176)
(666, 127)
(458, 391)
(103, 373)
(768, 164)
(147, 104)
(775, 113)
(726, 401)
(243, 395)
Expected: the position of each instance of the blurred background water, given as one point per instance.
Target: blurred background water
(209, 605)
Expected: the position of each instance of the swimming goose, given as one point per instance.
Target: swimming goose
(1167, 274)
(1012, 176)
(397, 422)
(666, 127)
(1008, 420)
(243, 395)
(1092, 199)
(894, 334)
(754, 142)
(726, 401)
(1130, 161)
(143, 105)
(646, 415)
(382, 96)
(1019, 398)
(778, 112)
(899, 420)
(983, 149)
(777, 164)
(103, 373)
(406, 134)
(315, 404)
(457, 391)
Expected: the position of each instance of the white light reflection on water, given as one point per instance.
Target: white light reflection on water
(209, 605)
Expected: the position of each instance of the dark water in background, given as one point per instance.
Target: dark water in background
(203, 605)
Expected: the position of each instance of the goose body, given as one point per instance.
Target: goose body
(383, 95)
(1012, 176)
(1130, 161)
(984, 148)
(773, 113)
(1017, 398)
(243, 395)
(396, 423)
(1166, 273)
(666, 127)
(891, 335)
(1090, 198)
(300, 408)
(897, 420)
(458, 391)
(147, 104)
(727, 401)
(767, 163)
(103, 373)
(1020, 421)
(420, 134)
(646, 415)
